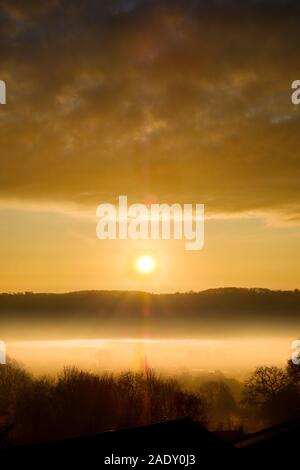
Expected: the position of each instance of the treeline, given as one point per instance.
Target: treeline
(217, 310)
(77, 402)
(213, 300)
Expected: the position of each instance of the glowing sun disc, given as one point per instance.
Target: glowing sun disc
(145, 264)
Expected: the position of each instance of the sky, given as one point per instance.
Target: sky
(164, 101)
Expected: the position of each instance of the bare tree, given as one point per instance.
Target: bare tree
(264, 385)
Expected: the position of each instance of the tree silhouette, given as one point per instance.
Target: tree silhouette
(265, 384)
(293, 371)
(78, 402)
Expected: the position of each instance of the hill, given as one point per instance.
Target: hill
(213, 310)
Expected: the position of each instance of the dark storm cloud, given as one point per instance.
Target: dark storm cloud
(183, 100)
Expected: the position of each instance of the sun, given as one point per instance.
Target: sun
(145, 264)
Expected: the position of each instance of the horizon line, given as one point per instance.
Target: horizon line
(134, 291)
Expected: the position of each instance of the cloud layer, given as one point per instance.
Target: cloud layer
(170, 100)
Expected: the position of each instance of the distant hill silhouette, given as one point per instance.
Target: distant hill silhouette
(224, 308)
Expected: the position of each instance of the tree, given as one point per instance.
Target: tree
(275, 394)
(219, 396)
(220, 401)
(264, 385)
(293, 371)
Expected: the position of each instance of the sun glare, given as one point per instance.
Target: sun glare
(145, 264)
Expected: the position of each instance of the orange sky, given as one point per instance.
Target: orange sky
(166, 101)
